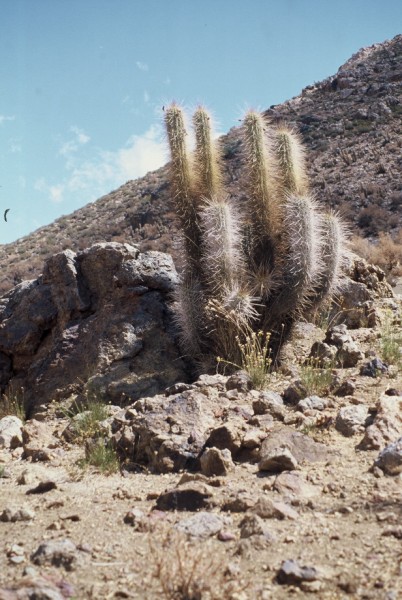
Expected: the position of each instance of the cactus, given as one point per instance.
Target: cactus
(258, 266)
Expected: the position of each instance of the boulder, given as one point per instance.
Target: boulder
(100, 315)
(165, 433)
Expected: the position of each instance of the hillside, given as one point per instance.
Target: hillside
(351, 124)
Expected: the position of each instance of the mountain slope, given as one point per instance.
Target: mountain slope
(351, 124)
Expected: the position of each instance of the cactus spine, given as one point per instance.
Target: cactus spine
(233, 282)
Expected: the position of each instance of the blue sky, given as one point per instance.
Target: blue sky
(83, 82)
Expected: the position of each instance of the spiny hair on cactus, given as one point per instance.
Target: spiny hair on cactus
(255, 265)
(291, 158)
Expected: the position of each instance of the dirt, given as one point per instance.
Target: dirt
(346, 522)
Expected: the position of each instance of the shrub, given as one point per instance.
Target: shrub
(391, 341)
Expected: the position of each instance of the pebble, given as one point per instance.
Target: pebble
(43, 487)
(277, 460)
(351, 420)
(253, 525)
(215, 461)
(203, 524)
(58, 553)
(273, 509)
(373, 368)
(12, 516)
(389, 460)
(189, 496)
(291, 573)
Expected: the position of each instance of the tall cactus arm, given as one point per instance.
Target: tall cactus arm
(181, 181)
(262, 174)
(291, 161)
(334, 254)
(301, 262)
(207, 156)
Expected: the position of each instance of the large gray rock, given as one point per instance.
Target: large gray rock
(165, 433)
(100, 314)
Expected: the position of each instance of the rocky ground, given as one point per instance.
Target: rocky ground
(223, 491)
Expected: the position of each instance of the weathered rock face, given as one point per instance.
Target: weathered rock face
(100, 315)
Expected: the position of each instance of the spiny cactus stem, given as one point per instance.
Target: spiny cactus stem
(207, 165)
(222, 256)
(333, 256)
(302, 262)
(264, 212)
(182, 183)
(291, 161)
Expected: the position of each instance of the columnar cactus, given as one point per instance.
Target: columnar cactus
(257, 266)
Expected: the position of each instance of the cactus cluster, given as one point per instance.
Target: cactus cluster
(258, 265)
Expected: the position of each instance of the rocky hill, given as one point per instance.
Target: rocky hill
(351, 124)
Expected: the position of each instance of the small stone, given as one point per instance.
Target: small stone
(277, 460)
(269, 402)
(33, 586)
(301, 446)
(38, 440)
(373, 368)
(202, 524)
(323, 351)
(177, 388)
(295, 392)
(253, 438)
(227, 436)
(10, 432)
(252, 525)
(59, 553)
(393, 392)
(240, 381)
(16, 554)
(394, 532)
(43, 487)
(347, 388)
(291, 573)
(240, 501)
(390, 459)
(273, 509)
(225, 535)
(351, 420)
(312, 403)
(348, 355)
(217, 462)
(135, 518)
(22, 514)
(387, 424)
(293, 485)
(189, 496)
